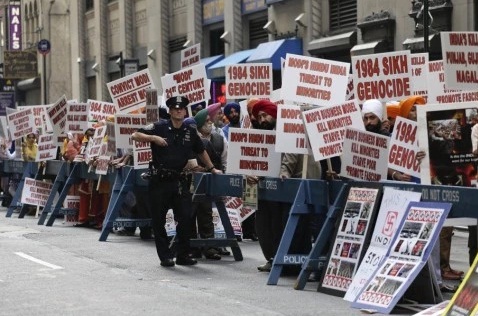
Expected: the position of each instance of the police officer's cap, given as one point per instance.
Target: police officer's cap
(178, 102)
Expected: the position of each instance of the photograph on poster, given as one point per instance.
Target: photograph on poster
(346, 269)
(395, 268)
(333, 266)
(426, 231)
(448, 139)
(405, 270)
(354, 250)
(390, 286)
(345, 250)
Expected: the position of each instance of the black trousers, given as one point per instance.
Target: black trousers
(203, 214)
(164, 195)
(472, 243)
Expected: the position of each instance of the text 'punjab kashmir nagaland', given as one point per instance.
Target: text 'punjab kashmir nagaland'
(253, 151)
(314, 79)
(463, 58)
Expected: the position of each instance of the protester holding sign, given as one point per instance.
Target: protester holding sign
(372, 115)
(232, 111)
(172, 145)
(29, 147)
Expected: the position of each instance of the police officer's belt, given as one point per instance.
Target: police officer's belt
(165, 174)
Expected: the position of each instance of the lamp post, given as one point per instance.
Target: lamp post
(425, 26)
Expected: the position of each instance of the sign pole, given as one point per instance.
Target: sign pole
(44, 78)
(43, 48)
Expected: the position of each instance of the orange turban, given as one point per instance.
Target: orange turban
(393, 110)
(406, 104)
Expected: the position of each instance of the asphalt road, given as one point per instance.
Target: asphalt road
(64, 270)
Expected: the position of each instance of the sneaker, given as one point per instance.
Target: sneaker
(167, 262)
(212, 254)
(265, 267)
(185, 261)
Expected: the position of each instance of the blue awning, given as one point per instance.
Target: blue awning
(272, 52)
(209, 61)
(218, 69)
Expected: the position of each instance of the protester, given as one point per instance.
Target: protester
(30, 147)
(232, 111)
(172, 144)
(372, 115)
(269, 221)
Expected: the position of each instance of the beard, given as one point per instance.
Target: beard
(267, 126)
(373, 128)
(255, 124)
(234, 120)
(206, 129)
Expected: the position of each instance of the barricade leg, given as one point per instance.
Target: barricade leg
(231, 240)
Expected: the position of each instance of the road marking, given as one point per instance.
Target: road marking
(49, 265)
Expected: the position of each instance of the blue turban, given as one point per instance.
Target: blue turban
(234, 105)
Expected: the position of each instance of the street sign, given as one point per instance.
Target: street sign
(44, 46)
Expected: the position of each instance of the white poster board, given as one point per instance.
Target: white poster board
(20, 123)
(249, 81)
(125, 125)
(46, 148)
(189, 82)
(404, 147)
(35, 192)
(57, 114)
(142, 155)
(102, 165)
(252, 152)
(419, 71)
(100, 110)
(314, 81)
(290, 131)
(76, 118)
(191, 56)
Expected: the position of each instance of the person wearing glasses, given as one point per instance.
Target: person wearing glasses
(172, 144)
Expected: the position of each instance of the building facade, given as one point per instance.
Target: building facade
(93, 40)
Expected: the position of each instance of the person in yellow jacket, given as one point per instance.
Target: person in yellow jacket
(29, 147)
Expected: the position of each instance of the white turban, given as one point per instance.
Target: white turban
(373, 106)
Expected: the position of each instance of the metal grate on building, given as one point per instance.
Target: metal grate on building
(343, 14)
(257, 34)
(177, 44)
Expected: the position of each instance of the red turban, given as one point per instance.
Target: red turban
(265, 106)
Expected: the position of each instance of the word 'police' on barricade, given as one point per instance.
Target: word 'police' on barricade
(35, 192)
(125, 125)
(189, 82)
(252, 152)
(326, 127)
(248, 80)
(129, 93)
(383, 76)
(404, 147)
(314, 81)
(460, 59)
(366, 155)
(290, 132)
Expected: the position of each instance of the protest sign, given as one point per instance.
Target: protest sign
(252, 152)
(76, 118)
(446, 134)
(111, 139)
(249, 80)
(365, 158)
(142, 155)
(35, 192)
(152, 109)
(383, 76)
(457, 97)
(350, 237)
(42, 122)
(326, 127)
(350, 92)
(94, 145)
(46, 148)
(129, 93)
(57, 115)
(236, 203)
(290, 131)
(403, 147)
(100, 110)
(436, 83)
(72, 202)
(411, 248)
(20, 123)
(190, 56)
(189, 82)
(460, 59)
(392, 209)
(4, 128)
(125, 125)
(314, 81)
(419, 71)
(102, 165)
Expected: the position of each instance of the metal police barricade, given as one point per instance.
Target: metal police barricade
(463, 199)
(213, 188)
(309, 198)
(126, 178)
(79, 171)
(59, 170)
(28, 170)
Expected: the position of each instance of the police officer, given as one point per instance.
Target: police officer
(172, 143)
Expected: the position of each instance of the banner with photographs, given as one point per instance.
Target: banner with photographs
(410, 251)
(350, 240)
(445, 129)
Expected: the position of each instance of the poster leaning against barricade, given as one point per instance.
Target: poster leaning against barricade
(350, 238)
(392, 209)
(35, 192)
(445, 130)
(411, 248)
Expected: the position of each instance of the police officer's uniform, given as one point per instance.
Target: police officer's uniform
(168, 187)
